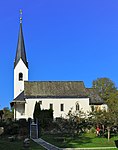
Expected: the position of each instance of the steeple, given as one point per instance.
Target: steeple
(20, 52)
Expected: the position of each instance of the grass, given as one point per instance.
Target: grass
(83, 141)
(62, 141)
(5, 144)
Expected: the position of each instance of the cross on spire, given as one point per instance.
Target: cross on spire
(21, 15)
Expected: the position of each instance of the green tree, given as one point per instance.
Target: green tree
(112, 113)
(1, 114)
(108, 92)
(112, 103)
(44, 117)
(104, 119)
(8, 113)
(76, 122)
(104, 87)
(37, 111)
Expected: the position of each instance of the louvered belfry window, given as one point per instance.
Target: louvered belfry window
(20, 76)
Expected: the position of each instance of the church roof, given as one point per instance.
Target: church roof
(60, 89)
(57, 89)
(94, 97)
(20, 52)
(20, 98)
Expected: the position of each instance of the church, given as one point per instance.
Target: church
(60, 96)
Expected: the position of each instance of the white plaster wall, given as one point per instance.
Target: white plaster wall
(20, 111)
(104, 107)
(19, 85)
(68, 104)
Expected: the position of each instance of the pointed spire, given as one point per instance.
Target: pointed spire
(20, 52)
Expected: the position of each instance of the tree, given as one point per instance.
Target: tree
(112, 103)
(104, 87)
(8, 113)
(108, 92)
(75, 122)
(97, 118)
(44, 117)
(105, 118)
(37, 111)
(1, 114)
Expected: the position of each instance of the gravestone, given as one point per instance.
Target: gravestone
(34, 130)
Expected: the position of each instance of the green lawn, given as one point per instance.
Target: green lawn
(63, 141)
(83, 141)
(5, 144)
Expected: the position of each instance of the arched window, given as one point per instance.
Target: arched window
(20, 76)
(77, 106)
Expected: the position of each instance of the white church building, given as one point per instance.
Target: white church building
(61, 96)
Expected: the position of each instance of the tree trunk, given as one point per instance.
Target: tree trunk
(108, 128)
(103, 129)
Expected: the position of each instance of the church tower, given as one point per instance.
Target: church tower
(20, 64)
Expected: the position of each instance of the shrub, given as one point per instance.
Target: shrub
(92, 130)
(11, 129)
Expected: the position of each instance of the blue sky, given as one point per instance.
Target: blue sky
(64, 40)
